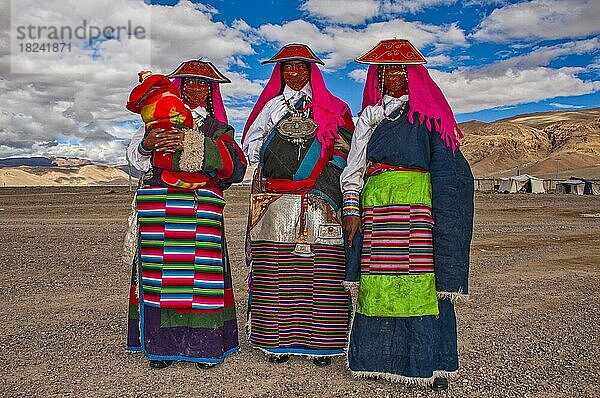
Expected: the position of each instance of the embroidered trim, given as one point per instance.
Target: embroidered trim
(297, 354)
(192, 156)
(454, 297)
(131, 236)
(352, 288)
(419, 381)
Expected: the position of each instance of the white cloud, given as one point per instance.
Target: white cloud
(410, 7)
(342, 11)
(439, 60)
(358, 75)
(239, 115)
(185, 31)
(541, 19)
(470, 91)
(504, 107)
(83, 96)
(108, 153)
(241, 87)
(356, 12)
(566, 106)
(342, 44)
(542, 56)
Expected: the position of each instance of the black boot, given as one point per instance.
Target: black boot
(322, 361)
(439, 384)
(204, 366)
(279, 358)
(159, 364)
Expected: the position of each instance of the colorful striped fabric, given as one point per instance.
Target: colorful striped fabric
(397, 239)
(298, 304)
(181, 252)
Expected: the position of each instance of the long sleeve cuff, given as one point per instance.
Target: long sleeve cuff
(143, 151)
(351, 204)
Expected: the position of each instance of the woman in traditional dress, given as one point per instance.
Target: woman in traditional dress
(409, 254)
(183, 308)
(298, 133)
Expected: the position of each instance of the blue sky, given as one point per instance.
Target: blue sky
(473, 53)
(492, 58)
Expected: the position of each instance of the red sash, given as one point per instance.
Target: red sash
(282, 185)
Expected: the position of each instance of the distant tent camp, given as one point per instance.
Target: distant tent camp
(521, 183)
(577, 186)
(594, 189)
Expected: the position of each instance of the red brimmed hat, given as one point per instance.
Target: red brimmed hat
(295, 52)
(199, 69)
(394, 51)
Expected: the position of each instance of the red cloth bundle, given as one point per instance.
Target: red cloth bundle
(158, 102)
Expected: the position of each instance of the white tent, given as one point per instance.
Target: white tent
(578, 186)
(521, 183)
(575, 187)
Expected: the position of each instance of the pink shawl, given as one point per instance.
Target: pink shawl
(217, 100)
(425, 97)
(329, 112)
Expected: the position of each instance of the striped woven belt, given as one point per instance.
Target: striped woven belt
(378, 168)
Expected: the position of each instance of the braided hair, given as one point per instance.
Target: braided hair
(209, 101)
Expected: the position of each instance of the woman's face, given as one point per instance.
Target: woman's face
(394, 80)
(295, 74)
(195, 91)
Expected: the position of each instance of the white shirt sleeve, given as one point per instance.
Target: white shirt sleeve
(263, 124)
(137, 160)
(352, 178)
(352, 175)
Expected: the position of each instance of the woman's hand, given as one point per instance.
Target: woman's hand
(150, 140)
(341, 145)
(351, 225)
(167, 141)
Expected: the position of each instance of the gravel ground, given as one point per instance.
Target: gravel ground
(530, 328)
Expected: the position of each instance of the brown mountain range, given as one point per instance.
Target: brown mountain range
(537, 144)
(71, 175)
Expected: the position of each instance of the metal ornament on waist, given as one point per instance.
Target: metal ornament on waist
(297, 129)
(302, 248)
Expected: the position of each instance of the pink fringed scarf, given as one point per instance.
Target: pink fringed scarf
(217, 100)
(329, 112)
(425, 97)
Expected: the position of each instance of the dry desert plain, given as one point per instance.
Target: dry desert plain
(530, 329)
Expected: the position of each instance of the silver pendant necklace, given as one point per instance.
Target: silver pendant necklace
(298, 127)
